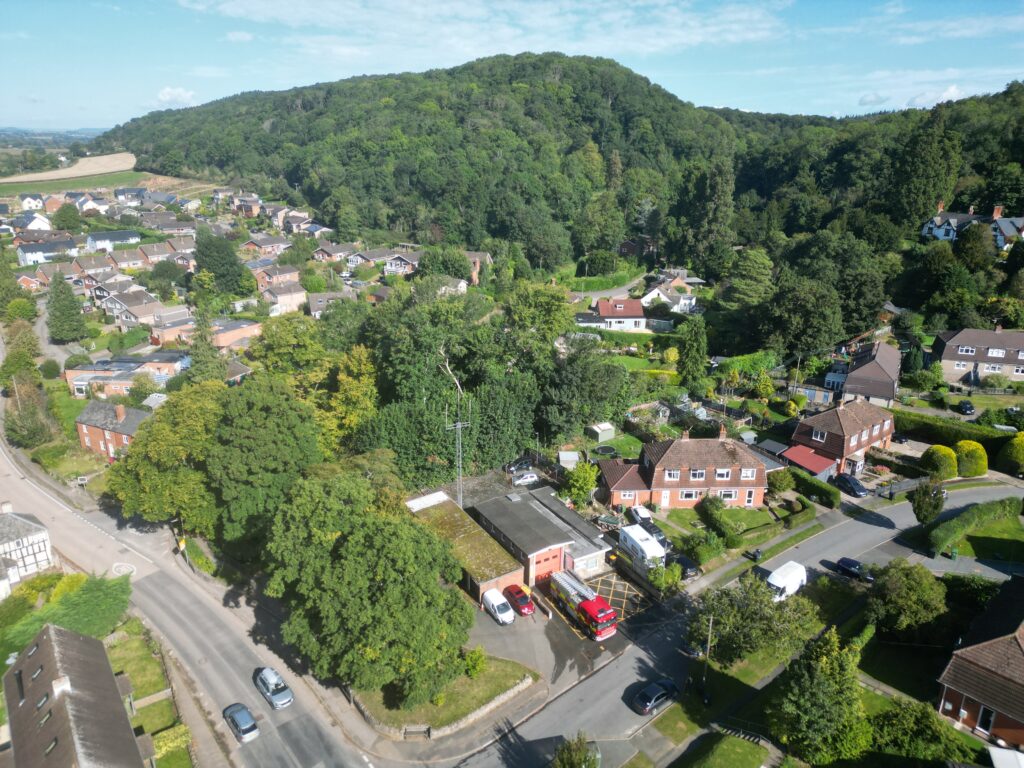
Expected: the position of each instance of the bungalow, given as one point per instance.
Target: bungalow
(107, 429)
(983, 684)
(622, 314)
(151, 313)
(330, 252)
(30, 283)
(127, 260)
(842, 435)
(129, 195)
(184, 244)
(266, 245)
(91, 264)
(154, 253)
(39, 253)
(371, 258)
(45, 273)
(679, 473)
(31, 202)
(105, 241)
(284, 297)
(318, 302)
(276, 275)
(402, 263)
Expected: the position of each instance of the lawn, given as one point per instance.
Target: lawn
(460, 698)
(627, 445)
(750, 517)
(156, 717)
(690, 715)
(66, 460)
(988, 401)
(716, 750)
(631, 363)
(139, 659)
(639, 760)
(63, 406)
(1000, 540)
(567, 277)
(910, 669)
(874, 703)
(179, 758)
(685, 518)
(111, 180)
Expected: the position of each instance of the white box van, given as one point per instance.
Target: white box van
(787, 579)
(500, 608)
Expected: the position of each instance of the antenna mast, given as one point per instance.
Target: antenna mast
(457, 426)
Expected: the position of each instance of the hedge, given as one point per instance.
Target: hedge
(935, 429)
(971, 459)
(814, 488)
(1011, 457)
(702, 546)
(862, 638)
(754, 536)
(947, 533)
(940, 462)
(799, 518)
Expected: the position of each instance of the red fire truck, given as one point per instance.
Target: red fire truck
(584, 605)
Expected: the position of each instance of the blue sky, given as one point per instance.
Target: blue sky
(81, 63)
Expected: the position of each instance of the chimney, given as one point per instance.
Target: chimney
(119, 412)
(721, 431)
(941, 207)
(997, 212)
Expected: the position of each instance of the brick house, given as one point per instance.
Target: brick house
(967, 356)
(622, 314)
(226, 333)
(107, 429)
(873, 373)
(276, 274)
(330, 252)
(284, 298)
(266, 245)
(983, 684)
(679, 473)
(844, 434)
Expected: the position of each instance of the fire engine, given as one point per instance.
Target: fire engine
(584, 605)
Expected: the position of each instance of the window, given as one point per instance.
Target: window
(993, 368)
(750, 497)
(43, 700)
(50, 747)
(960, 365)
(728, 495)
(689, 495)
(1018, 370)
(671, 474)
(748, 474)
(818, 435)
(696, 474)
(876, 429)
(994, 352)
(1020, 355)
(88, 442)
(124, 439)
(853, 441)
(628, 494)
(37, 672)
(864, 435)
(723, 474)
(47, 716)
(886, 424)
(965, 350)
(33, 649)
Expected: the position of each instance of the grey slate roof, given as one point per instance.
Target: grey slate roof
(103, 415)
(15, 526)
(586, 538)
(524, 520)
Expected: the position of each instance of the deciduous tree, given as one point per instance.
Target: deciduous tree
(905, 597)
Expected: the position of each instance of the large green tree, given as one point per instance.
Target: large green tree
(926, 169)
(362, 584)
(217, 256)
(693, 351)
(264, 440)
(207, 362)
(818, 713)
(67, 217)
(64, 321)
(905, 597)
(914, 731)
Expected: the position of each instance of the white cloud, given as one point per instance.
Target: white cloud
(175, 96)
(238, 36)
(872, 99)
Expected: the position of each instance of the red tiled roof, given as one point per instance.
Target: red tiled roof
(610, 308)
(621, 476)
(805, 457)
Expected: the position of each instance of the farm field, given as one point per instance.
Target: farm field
(86, 166)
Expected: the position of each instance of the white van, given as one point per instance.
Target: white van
(496, 605)
(787, 579)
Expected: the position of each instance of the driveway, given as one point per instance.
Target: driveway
(59, 352)
(611, 292)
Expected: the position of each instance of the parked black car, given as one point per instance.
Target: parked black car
(690, 569)
(854, 569)
(966, 407)
(518, 465)
(655, 696)
(850, 485)
(900, 438)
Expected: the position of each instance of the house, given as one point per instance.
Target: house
(589, 320)
(983, 684)
(118, 303)
(67, 708)
(276, 275)
(873, 373)
(517, 521)
(30, 283)
(151, 313)
(318, 302)
(284, 298)
(184, 244)
(127, 260)
(842, 435)
(24, 547)
(236, 372)
(296, 222)
(154, 253)
(107, 429)
(638, 246)
(129, 195)
(379, 294)
(226, 333)
(370, 258)
(255, 265)
(678, 278)
(116, 376)
(451, 286)
(402, 263)
(222, 195)
(32, 222)
(967, 356)
(103, 285)
(947, 225)
(622, 314)
(485, 564)
(330, 252)
(679, 473)
(105, 241)
(45, 273)
(40, 253)
(477, 260)
(31, 202)
(266, 245)
(680, 303)
(186, 261)
(52, 204)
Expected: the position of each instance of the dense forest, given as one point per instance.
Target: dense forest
(804, 224)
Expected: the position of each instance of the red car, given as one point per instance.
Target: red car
(521, 602)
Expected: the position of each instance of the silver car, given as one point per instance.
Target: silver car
(241, 722)
(274, 688)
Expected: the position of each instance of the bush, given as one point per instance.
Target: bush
(713, 512)
(862, 638)
(1011, 458)
(72, 582)
(947, 533)
(795, 505)
(799, 518)
(800, 400)
(76, 361)
(971, 459)
(476, 662)
(817, 490)
(93, 332)
(50, 368)
(781, 481)
(790, 409)
(935, 429)
(703, 546)
(940, 462)
(996, 381)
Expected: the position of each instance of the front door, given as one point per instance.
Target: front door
(985, 718)
(666, 498)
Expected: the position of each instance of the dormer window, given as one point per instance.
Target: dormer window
(993, 352)
(818, 435)
(748, 474)
(671, 474)
(696, 474)
(723, 474)
(963, 349)
(620, 307)
(853, 441)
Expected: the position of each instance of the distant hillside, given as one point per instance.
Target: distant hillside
(568, 154)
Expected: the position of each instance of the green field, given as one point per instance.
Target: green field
(119, 179)
(1000, 540)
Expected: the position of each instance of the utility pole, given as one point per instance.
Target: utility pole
(457, 426)
(707, 659)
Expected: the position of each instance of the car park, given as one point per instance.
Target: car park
(527, 478)
(850, 485)
(520, 601)
(241, 722)
(854, 569)
(653, 697)
(965, 407)
(499, 608)
(274, 689)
